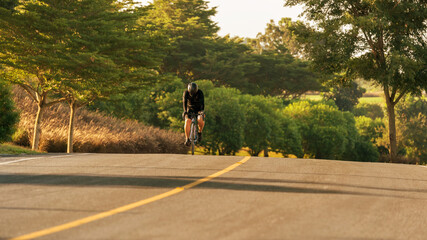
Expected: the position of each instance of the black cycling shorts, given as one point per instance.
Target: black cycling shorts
(193, 112)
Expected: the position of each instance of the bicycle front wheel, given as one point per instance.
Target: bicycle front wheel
(193, 137)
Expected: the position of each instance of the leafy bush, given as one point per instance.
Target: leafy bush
(372, 111)
(290, 138)
(8, 116)
(329, 133)
(370, 130)
(225, 121)
(322, 128)
(365, 151)
(257, 129)
(21, 137)
(259, 123)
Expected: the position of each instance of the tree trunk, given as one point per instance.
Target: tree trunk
(266, 152)
(36, 135)
(391, 127)
(392, 131)
(73, 109)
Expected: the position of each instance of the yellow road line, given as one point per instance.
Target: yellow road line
(126, 207)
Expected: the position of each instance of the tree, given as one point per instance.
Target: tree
(8, 116)
(30, 43)
(345, 97)
(189, 25)
(88, 50)
(123, 54)
(279, 74)
(280, 71)
(278, 38)
(382, 41)
(224, 60)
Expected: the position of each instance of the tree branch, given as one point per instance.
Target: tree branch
(403, 93)
(393, 94)
(30, 91)
(56, 101)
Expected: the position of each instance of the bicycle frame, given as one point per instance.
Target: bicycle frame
(193, 131)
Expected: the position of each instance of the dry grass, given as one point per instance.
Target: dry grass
(94, 132)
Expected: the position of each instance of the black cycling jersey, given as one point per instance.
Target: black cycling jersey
(193, 103)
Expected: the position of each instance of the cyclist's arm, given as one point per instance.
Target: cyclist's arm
(184, 101)
(202, 101)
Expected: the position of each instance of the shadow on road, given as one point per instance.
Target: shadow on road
(236, 170)
(178, 181)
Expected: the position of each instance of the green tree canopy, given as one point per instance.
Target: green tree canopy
(188, 24)
(383, 41)
(278, 38)
(279, 74)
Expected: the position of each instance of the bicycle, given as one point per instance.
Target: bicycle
(194, 130)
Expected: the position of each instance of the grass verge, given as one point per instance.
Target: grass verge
(9, 148)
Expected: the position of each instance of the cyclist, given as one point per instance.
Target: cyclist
(193, 103)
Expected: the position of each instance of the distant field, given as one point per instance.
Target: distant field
(372, 100)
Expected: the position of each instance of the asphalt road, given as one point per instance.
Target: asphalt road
(263, 198)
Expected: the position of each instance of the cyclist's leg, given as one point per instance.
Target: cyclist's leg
(201, 122)
(187, 127)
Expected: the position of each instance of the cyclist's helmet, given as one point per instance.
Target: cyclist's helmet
(192, 88)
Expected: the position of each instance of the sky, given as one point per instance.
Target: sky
(246, 18)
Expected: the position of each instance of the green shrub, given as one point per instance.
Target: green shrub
(329, 133)
(266, 128)
(259, 123)
(369, 110)
(21, 138)
(257, 129)
(8, 116)
(322, 127)
(412, 123)
(365, 151)
(225, 121)
(370, 130)
(289, 138)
